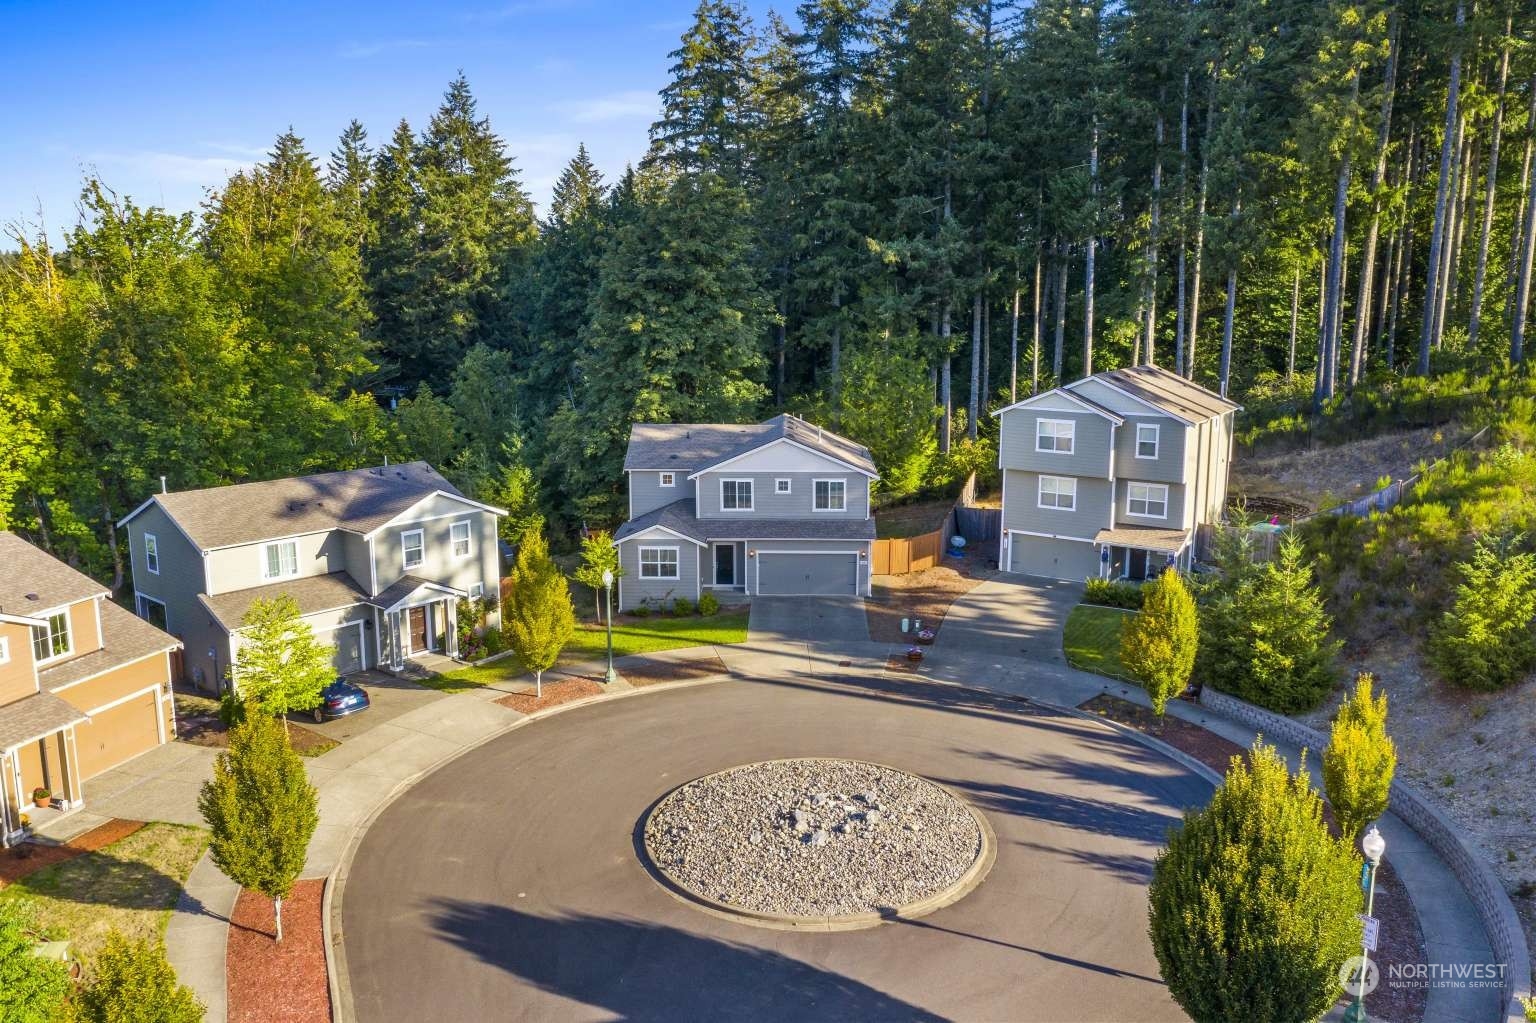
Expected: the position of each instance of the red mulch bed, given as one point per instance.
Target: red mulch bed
(1402, 941)
(278, 983)
(649, 673)
(30, 857)
(555, 693)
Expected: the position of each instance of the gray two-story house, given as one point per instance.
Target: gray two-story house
(774, 508)
(1112, 475)
(377, 560)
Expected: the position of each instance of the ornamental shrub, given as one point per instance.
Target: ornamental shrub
(1158, 643)
(1360, 760)
(1484, 641)
(32, 990)
(1252, 907)
(136, 984)
(641, 610)
(1113, 593)
(709, 605)
(682, 607)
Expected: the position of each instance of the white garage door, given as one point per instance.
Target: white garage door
(348, 656)
(800, 574)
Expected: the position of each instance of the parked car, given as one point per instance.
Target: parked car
(340, 699)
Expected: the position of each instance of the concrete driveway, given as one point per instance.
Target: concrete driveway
(389, 697)
(807, 620)
(1017, 616)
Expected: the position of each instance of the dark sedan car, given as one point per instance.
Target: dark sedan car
(339, 699)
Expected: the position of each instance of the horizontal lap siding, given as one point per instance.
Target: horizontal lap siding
(1168, 466)
(438, 563)
(647, 494)
(797, 504)
(1090, 444)
(1021, 495)
(659, 592)
(1176, 495)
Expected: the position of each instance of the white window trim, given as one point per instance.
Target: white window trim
(69, 634)
(476, 591)
(677, 562)
(1157, 441)
(5, 650)
(752, 486)
(140, 599)
(453, 543)
(266, 562)
(405, 557)
(1040, 493)
(783, 485)
(668, 479)
(151, 554)
(834, 511)
(1071, 436)
(1148, 500)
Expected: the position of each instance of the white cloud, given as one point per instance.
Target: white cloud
(179, 168)
(616, 106)
(374, 48)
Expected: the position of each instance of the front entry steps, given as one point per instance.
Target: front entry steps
(424, 665)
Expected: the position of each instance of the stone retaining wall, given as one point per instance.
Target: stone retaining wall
(1496, 912)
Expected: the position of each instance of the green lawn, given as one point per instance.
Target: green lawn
(1091, 639)
(131, 886)
(630, 636)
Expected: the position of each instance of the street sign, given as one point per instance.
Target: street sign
(1372, 931)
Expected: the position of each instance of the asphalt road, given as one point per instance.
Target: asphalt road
(506, 886)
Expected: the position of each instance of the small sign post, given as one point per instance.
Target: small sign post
(1372, 930)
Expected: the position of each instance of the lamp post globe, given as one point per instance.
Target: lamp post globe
(1373, 845)
(609, 676)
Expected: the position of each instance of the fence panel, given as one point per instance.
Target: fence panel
(908, 554)
(977, 524)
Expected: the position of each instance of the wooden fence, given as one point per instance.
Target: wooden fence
(910, 553)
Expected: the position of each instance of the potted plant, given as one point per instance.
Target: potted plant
(925, 636)
(41, 796)
(914, 653)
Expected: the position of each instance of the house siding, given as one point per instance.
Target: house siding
(658, 592)
(1168, 466)
(438, 563)
(1090, 444)
(797, 504)
(1021, 509)
(647, 494)
(240, 568)
(357, 556)
(17, 677)
(1176, 505)
(181, 569)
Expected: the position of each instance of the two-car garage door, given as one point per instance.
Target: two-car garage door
(800, 574)
(117, 733)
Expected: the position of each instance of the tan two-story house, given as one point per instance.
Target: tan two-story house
(84, 685)
(377, 560)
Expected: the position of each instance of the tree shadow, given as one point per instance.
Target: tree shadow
(1130, 867)
(1097, 816)
(645, 971)
(102, 879)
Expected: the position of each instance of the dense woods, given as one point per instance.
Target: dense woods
(893, 218)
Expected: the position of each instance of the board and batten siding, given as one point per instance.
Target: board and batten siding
(647, 494)
(1090, 443)
(658, 593)
(799, 503)
(1021, 510)
(1168, 466)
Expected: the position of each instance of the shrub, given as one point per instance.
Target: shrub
(1484, 641)
(136, 984)
(231, 708)
(709, 605)
(641, 610)
(1113, 593)
(1252, 904)
(32, 990)
(1158, 644)
(682, 607)
(1360, 760)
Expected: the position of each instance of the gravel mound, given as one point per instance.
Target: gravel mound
(812, 837)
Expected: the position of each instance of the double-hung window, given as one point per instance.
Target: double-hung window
(459, 534)
(658, 562)
(412, 548)
(1055, 435)
(1147, 436)
(831, 495)
(280, 560)
(1058, 492)
(51, 640)
(151, 554)
(1146, 500)
(736, 495)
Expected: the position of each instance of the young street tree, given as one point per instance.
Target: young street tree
(283, 668)
(135, 984)
(1158, 643)
(598, 554)
(1360, 760)
(539, 616)
(262, 811)
(1253, 903)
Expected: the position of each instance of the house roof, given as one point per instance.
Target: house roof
(35, 581)
(33, 717)
(691, 447)
(313, 594)
(1088, 403)
(680, 517)
(125, 638)
(357, 500)
(407, 585)
(1167, 391)
(1148, 538)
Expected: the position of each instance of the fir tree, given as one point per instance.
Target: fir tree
(1484, 641)
(706, 122)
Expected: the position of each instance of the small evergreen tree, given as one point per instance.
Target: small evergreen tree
(540, 618)
(1360, 760)
(282, 667)
(136, 984)
(1158, 644)
(598, 554)
(32, 990)
(1485, 641)
(1252, 904)
(262, 811)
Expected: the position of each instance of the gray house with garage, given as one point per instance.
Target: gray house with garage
(1112, 475)
(779, 508)
(377, 560)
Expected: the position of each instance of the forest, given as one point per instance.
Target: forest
(891, 218)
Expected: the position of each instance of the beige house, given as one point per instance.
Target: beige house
(84, 685)
(377, 560)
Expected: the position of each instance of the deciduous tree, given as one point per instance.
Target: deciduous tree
(281, 667)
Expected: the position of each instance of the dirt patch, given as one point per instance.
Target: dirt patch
(278, 982)
(926, 595)
(207, 730)
(1207, 747)
(1295, 482)
(30, 857)
(650, 672)
(914, 519)
(575, 687)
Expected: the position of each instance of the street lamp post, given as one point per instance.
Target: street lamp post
(1374, 845)
(608, 589)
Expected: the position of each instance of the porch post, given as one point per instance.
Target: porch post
(453, 627)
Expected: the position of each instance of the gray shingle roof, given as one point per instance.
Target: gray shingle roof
(33, 717)
(312, 593)
(402, 588)
(34, 581)
(1150, 538)
(1170, 392)
(126, 638)
(679, 517)
(358, 500)
(690, 447)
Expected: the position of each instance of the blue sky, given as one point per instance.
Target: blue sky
(164, 100)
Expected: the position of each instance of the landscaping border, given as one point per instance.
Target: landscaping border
(1495, 911)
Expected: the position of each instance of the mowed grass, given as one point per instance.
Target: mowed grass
(1091, 640)
(630, 636)
(130, 886)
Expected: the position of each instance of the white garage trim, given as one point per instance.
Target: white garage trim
(124, 699)
(1051, 536)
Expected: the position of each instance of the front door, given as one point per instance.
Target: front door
(725, 564)
(418, 624)
(1136, 564)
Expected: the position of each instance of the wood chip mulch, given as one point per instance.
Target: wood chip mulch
(272, 982)
(30, 857)
(649, 673)
(207, 730)
(555, 693)
(1402, 940)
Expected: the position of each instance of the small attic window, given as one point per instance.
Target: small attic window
(669, 479)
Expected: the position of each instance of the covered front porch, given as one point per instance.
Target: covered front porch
(1141, 552)
(415, 619)
(37, 750)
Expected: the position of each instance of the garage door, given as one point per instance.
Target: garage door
(349, 648)
(114, 735)
(798, 575)
(1052, 559)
